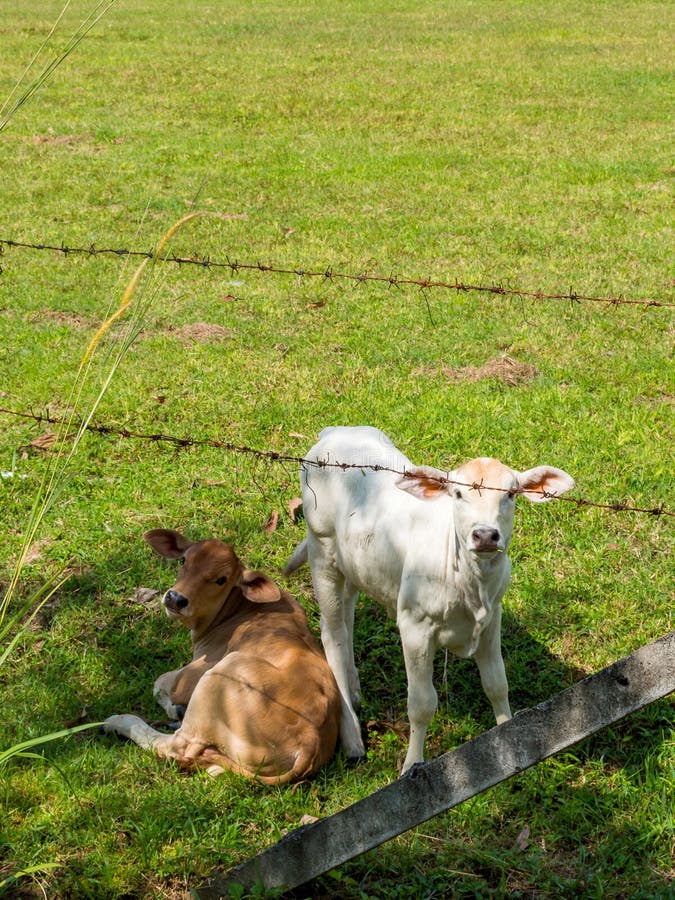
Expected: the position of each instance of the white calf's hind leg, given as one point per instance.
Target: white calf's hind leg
(349, 598)
(139, 732)
(336, 642)
(332, 595)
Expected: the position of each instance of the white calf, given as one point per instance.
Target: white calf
(440, 568)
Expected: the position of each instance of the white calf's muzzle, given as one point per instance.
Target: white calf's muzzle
(486, 539)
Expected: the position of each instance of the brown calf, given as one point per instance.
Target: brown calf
(258, 697)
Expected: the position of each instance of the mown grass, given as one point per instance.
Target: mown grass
(512, 142)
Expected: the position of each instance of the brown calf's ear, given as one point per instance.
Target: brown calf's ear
(425, 482)
(169, 544)
(258, 588)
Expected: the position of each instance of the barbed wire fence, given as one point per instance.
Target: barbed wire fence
(274, 456)
(328, 274)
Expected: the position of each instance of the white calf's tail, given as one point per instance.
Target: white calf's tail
(298, 558)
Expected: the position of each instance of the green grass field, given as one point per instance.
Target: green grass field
(511, 143)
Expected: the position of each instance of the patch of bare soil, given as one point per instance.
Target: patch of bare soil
(74, 320)
(61, 138)
(662, 397)
(72, 140)
(504, 369)
(200, 333)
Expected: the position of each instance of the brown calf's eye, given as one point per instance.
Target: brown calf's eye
(221, 580)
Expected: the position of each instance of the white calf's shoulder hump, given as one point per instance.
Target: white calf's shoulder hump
(359, 445)
(354, 435)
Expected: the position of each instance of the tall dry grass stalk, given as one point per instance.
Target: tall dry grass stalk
(18, 96)
(83, 408)
(56, 475)
(55, 480)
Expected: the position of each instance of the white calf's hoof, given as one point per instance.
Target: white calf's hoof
(123, 725)
(112, 723)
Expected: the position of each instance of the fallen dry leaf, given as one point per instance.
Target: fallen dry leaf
(272, 522)
(144, 596)
(294, 508)
(523, 838)
(79, 720)
(45, 441)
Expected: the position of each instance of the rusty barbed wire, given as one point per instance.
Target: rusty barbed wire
(276, 456)
(327, 274)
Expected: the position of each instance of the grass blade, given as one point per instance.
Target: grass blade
(78, 35)
(19, 749)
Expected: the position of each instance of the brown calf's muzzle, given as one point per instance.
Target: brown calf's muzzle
(175, 603)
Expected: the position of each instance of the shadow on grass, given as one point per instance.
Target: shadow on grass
(97, 648)
(445, 858)
(578, 831)
(533, 672)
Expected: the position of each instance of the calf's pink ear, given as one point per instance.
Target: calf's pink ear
(169, 544)
(425, 483)
(543, 482)
(258, 588)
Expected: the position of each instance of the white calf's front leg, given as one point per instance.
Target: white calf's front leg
(491, 667)
(418, 652)
(336, 643)
(162, 694)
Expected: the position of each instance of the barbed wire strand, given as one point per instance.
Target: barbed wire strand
(278, 457)
(328, 274)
